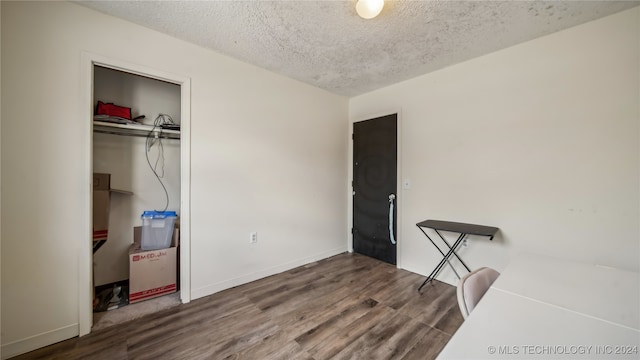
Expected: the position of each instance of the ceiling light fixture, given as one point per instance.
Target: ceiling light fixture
(368, 9)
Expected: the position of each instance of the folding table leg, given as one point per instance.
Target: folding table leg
(454, 250)
(441, 252)
(444, 260)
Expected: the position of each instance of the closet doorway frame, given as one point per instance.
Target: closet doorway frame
(85, 256)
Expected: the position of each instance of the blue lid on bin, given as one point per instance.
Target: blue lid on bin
(158, 214)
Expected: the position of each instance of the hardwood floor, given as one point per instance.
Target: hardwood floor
(346, 307)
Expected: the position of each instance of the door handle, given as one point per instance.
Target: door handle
(392, 197)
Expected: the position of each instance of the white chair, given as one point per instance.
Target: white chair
(472, 288)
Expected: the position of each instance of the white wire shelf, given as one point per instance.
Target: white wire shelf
(139, 130)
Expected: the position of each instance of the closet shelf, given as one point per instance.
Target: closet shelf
(139, 130)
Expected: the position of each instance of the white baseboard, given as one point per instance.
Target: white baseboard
(38, 341)
(247, 278)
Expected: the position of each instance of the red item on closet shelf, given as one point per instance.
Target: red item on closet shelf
(113, 110)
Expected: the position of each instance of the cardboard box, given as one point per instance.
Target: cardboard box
(101, 186)
(101, 202)
(152, 273)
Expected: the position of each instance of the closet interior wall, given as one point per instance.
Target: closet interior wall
(124, 158)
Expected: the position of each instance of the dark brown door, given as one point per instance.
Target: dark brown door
(374, 187)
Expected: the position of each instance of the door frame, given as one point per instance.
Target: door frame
(399, 189)
(85, 253)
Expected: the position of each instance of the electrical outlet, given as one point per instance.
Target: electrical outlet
(253, 237)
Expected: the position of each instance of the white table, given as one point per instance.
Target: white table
(546, 308)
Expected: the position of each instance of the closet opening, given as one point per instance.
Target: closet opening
(139, 195)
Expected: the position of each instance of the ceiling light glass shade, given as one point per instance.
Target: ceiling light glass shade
(368, 9)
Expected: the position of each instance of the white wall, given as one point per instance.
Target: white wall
(124, 158)
(540, 140)
(268, 155)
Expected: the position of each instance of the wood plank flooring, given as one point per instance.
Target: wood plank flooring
(345, 307)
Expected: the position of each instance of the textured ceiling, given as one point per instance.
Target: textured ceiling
(326, 44)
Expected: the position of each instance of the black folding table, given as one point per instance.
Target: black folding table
(461, 228)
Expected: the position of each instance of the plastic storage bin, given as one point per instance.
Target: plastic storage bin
(157, 229)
